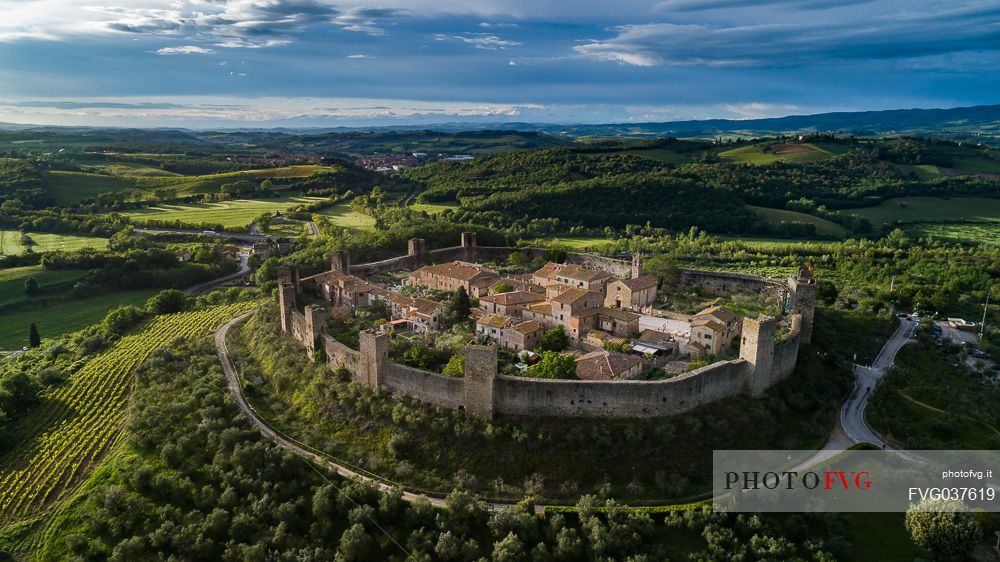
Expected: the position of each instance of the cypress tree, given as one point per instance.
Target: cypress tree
(34, 340)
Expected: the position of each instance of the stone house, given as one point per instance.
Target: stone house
(715, 328)
(342, 289)
(492, 325)
(520, 283)
(511, 303)
(520, 336)
(476, 279)
(576, 310)
(422, 314)
(617, 322)
(572, 275)
(603, 365)
(631, 294)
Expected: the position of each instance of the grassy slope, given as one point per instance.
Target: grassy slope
(12, 280)
(342, 215)
(823, 226)
(10, 242)
(930, 209)
(235, 213)
(433, 208)
(748, 155)
(64, 316)
(72, 187)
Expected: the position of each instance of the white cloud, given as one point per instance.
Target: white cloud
(486, 41)
(359, 56)
(185, 50)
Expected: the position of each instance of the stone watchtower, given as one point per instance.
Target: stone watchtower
(480, 380)
(315, 326)
(340, 261)
(468, 246)
(804, 287)
(374, 349)
(636, 265)
(288, 287)
(416, 248)
(757, 349)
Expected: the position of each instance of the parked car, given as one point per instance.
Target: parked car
(995, 366)
(979, 354)
(903, 315)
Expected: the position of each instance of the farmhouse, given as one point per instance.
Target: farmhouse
(511, 303)
(715, 328)
(573, 276)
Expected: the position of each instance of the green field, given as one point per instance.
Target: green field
(342, 215)
(664, 155)
(10, 242)
(770, 243)
(931, 209)
(433, 208)
(73, 187)
(63, 317)
(922, 171)
(231, 214)
(783, 152)
(960, 232)
(12, 280)
(823, 226)
(577, 242)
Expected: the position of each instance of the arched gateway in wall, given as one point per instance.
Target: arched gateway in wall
(764, 359)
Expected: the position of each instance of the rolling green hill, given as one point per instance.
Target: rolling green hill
(237, 213)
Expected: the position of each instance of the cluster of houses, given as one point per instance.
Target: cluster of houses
(594, 308)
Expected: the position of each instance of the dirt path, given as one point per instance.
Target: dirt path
(940, 411)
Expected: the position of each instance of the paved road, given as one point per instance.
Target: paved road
(244, 257)
(242, 236)
(852, 412)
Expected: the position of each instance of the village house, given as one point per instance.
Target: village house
(476, 279)
(603, 365)
(540, 312)
(421, 314)
(572, 275)
(510, 333)
(617, 322)
(576, 310)
(517, 284)
(511, 303)
(342, 289)
(631, 294)
(715, 328)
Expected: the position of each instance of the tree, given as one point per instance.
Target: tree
(166, 302)
(664, 268)
(502, 287)
(946, 530)
(517, 259)
(554, 339)
(554, 365)
(460, 304)
(263, 222)
(455, 366)
(31, 286)
(510, 549)
(34, 340)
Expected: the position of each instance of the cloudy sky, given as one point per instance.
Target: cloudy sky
(262, 63)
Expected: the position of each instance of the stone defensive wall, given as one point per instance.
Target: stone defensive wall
(765, 358)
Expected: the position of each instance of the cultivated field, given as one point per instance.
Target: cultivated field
(237, 213)
(342, 215)
(73, 187)
(823, 226)
(10, 242)
(63, 316)
(433, 208)
(931, 209)
(962, 232)
(783, 152)
(65, 437)
(12, 280)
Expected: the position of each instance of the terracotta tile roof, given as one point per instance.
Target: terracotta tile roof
(618, 314)
(570, 296)
(517, 297)
(527, 327)
(519, 285)
(461, 270)
(549, 270)
(720, 313)
(604, 365)
(542, 308)
(713, 325)
(494, 320)
(573, 271)
(653, 336)
(639, 283)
